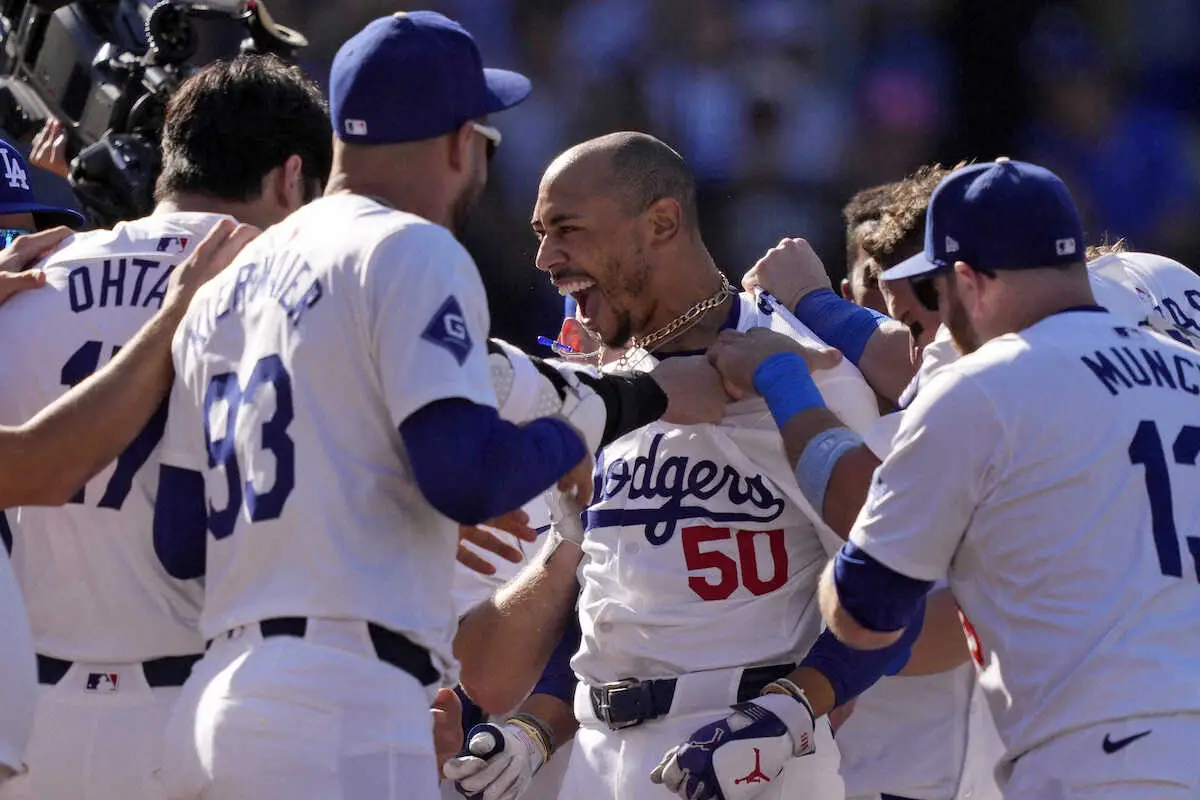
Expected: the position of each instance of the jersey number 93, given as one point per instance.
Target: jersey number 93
(223, 445)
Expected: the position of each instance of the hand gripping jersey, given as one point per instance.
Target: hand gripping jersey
(701, 553)
(295, 368)
(1063, 506)
(93, 585)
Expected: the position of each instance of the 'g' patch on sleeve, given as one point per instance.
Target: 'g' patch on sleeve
(448, 329)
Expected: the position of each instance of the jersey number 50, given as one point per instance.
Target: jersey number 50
(727, 567)
(1147, 449)
(223, 453)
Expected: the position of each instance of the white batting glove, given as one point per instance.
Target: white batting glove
(741, 756)
(500, 761)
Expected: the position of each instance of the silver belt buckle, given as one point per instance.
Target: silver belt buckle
(603, 707)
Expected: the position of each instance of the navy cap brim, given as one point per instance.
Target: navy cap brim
(45, 216)
(505, 88)
(911, 268)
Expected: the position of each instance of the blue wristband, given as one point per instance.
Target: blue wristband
(838, 322)
(820, 456)
(783, 381)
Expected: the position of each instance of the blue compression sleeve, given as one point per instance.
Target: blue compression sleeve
(838, 322)
(472, 466)
(876, 596)
(784, 382)
(558, 679)
(181, 522)
(851, 672)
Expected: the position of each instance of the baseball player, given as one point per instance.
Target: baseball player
(932, 737)
(115, 635)
(1077, 424)
(660, 590)
(333, 419)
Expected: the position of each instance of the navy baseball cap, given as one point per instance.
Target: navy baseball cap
(16, 194)
(414, 75)
(1001, 215)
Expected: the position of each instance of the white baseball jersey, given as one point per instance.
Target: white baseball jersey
(928, 737)
(1162, 294)
(701, 553)
(1063, 508)
(295, 368)
(94, 588)
(18, 694)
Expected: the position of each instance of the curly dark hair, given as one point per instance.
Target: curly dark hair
(901, 229)
(234, 121)
(865, 206)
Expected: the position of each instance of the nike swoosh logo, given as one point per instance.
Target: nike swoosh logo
(1111, 747)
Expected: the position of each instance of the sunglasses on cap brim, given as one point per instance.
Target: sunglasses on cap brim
(925, 291)
(493, 136)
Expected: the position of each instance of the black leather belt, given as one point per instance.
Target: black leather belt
(623, 704)
(390, 647)
(166, 671)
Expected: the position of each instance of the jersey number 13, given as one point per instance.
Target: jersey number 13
(1147, 449)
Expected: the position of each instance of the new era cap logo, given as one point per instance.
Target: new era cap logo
(102, 681)
(1064, 247)
(951, 245)
(356, 127)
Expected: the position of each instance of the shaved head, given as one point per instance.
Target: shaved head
(634, 168)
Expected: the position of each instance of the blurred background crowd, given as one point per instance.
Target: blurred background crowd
(785, 108)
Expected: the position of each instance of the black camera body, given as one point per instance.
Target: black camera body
(106, 69)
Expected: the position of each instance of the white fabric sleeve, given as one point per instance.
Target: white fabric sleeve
(428, 321)
(183, 443)
(947, 455)
(844, 389)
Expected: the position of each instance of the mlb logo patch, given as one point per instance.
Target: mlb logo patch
(174, 245)
(1064, 247)
(102, 681)
(356, 127)
(951, 244)
(448, 330)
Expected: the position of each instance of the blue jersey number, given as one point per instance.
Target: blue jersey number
(222, 452)
(1147, 449)
(82, 363)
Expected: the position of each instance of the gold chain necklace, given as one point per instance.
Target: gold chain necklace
(679, 325)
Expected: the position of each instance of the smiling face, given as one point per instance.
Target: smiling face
(592, 247)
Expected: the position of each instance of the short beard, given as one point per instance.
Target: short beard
(622, 333)
(461, 208)
(966, 338)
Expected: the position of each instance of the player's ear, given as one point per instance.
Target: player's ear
(294, 192)
(665, 219)
(460, 142)
(847, 293)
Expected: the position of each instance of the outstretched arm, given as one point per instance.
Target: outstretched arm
(878, 345)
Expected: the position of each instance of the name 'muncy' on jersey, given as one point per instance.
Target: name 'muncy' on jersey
(1053, 475)
(94, 588)
(701, 553)
(294, 369)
